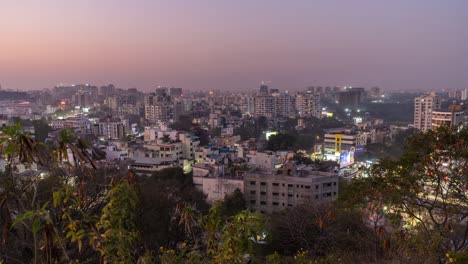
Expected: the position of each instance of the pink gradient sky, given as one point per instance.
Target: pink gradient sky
(216, 44)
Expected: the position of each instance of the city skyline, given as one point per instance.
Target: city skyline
(234, 46)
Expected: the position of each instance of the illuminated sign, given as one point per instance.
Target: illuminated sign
(270, 133)
(346, 159)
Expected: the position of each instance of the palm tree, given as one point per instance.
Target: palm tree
(187, 218)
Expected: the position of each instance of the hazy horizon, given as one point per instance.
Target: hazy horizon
(224, 45)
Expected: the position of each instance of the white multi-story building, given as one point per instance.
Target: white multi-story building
(272, 191)
(268, 160)
(190, 145)
(110, 128)
(157, 108)
(454, 116)
(284, 105)
(423, 107)
(340, 143)
(464, 94)
(265, 105)
(209, 179)
(308, 105)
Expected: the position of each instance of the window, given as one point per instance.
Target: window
(275, 184)
(289, 205)
(275, 194)
(316, 196)
(263, 183)
(290, 195)
(316, 187)
(275, 203)
(334, 184)
(252, 192)
(262, 202)
(253, 183)
(307, 187)
(290, 185)
(262, 193)
(252, 201)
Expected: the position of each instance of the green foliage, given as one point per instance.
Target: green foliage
(427, 187)
(72, 215)
(41, 129)
(238, 237)
(162, 199)
(302, 257)
(281, 142)
(184, 123)
(274, 258)
(233, 204)
(15, 143)
(252, 128)
(120, 235)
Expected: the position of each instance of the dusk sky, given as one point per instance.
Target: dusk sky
(216, 44)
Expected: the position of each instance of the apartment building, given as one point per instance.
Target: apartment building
(423, 107)
(267, 160)
(157, 108)
(284, 105)
(455, 115)
(308, 105)
(341, 140)
(269, 191)
(110, 128)
(265, 106)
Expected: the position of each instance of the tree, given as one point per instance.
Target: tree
(281, 142)
(322, 230)
(118, 223)
(41, 129)
(233, 204)
(163, 198)
(184, 123)
(426, 189)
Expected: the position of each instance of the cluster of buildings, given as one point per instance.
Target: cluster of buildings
(152, 131)
(429, 113)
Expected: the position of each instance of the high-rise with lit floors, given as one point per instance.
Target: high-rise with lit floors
(308, 104)
(264, 103)
(423, 107)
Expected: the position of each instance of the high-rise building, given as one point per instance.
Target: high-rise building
(351, 97)
(263, 89)
(107, 90)
(423, 107)
(453, 116)
(162, 91)
(464, 94)
(264, 103)
(110, 128)
(308, 104)
(157, 108)
(284, 105)
(375, 92)
(454, 94)
(82, 99)
(175, 92)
